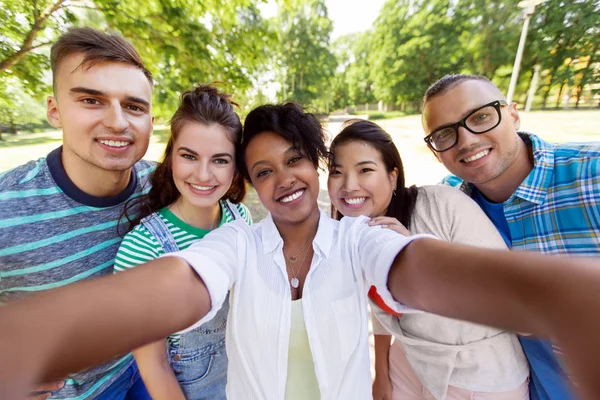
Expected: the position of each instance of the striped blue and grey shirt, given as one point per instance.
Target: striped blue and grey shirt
(53, 234)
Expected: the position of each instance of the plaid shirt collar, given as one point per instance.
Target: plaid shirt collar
(535, 186)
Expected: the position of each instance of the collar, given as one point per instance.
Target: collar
(322, 242)
(535, 186)
(57, 170)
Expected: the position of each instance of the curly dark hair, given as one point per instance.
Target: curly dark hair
(204, 104)
(404, 198)
(290, 121)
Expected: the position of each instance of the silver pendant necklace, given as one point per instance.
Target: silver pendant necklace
(295, 282)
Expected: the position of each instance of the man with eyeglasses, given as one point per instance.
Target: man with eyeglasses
(541, 196)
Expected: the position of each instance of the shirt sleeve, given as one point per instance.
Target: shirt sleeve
(215, 259)
(377, 249)
(136, 248)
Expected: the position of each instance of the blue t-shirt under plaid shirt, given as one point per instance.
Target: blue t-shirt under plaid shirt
(555, 210)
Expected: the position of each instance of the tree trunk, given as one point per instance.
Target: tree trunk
(578, 96)
(562, 85)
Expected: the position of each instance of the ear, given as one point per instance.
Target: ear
(53, 112)
(394, 175)
(514, 115)
(153, 122)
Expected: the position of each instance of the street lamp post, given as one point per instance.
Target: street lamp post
(528, 7)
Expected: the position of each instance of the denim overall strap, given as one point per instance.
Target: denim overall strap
(157, 228)
(232, 209)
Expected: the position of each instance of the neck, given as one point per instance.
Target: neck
(93, 180)
(500, 189)
(297, 234)
(199, 217)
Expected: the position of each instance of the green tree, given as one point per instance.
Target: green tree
(562, 32)
(414, 43)
(306, 62)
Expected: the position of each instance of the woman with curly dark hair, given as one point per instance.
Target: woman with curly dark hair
(195, 189)
(298, 319)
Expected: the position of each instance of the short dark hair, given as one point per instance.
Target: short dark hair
(404, 198)
(290, 121)
(96, 47)
(207, 105)
(448, 82)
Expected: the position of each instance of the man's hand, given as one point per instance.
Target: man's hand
(44, 391)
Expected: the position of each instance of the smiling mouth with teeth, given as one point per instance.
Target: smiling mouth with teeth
(476, 157)
(291, 197)
(202, 187)
(354, 201)
(114, 143)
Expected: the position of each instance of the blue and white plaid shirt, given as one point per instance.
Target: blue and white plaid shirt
(556, 209)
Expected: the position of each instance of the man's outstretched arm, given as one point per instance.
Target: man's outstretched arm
(80, 325)
(554, 297)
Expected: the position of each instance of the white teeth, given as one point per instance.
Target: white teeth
(477, 156)
(355, 200)
(292, 196)
(114, 143)
(202, 187)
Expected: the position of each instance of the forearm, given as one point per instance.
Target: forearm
(382, 354)
(548, 296)
(101, 318)
(157, 373)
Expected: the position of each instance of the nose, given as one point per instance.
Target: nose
(285, 179)
(204, 172)
(116, 119)
(350, 183)
(466, 139)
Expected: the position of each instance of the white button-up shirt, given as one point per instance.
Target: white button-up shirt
(349, 256)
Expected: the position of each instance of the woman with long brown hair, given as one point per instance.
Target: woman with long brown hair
(195, 189)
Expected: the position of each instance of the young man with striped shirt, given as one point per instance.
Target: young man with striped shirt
(60, 215)
(540, 196)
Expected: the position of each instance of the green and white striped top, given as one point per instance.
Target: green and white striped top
(140, 246)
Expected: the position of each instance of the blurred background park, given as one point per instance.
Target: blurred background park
(340, 58)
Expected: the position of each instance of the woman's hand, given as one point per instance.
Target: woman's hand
(382, 388)
(390, 223)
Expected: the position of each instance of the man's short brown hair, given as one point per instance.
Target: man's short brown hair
(96, 47)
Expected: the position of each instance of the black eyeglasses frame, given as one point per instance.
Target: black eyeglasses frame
(497, 104)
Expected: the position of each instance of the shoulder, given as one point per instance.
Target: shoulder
(23, 176)
(441, 194)
(244, 212)
(564, 152)
(144, 169)
(140, 237)
(138, 246)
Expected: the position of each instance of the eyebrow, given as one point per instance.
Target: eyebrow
(291, 148)
(464, 115)
(183, 148)
(94, 92)
(187, 149)
(358, 164)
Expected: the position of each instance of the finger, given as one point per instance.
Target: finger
(40, 396)
(50, 386)
(383, 220)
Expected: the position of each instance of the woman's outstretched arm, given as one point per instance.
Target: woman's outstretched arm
(60, 331)
(555, 297)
